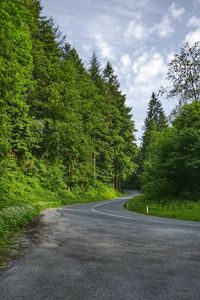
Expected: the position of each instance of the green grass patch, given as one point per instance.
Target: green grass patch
(178, 209)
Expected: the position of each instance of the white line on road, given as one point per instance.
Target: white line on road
(108, 214)
(147, 219)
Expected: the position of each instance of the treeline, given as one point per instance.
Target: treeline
(169, 159)
(59, 119)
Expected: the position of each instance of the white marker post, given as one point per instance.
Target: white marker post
(147, 209)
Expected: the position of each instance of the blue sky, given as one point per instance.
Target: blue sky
(139, 37)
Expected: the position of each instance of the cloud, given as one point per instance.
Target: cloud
(166, 26)
(194, 22)
(141, 73)
(126, 61)
(193, 36)
(105, 49)
(137, 31)
(176, 12)
(148, 67)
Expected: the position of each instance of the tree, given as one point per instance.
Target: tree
(173, 166)
(95, 72)
(15, 76)
(154, 122)
(44, 99)
(53, 110)
(122, 143)
(184, 73)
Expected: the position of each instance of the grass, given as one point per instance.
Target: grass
(177, 209)
(22, 199)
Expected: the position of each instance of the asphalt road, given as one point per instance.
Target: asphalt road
(102, 251)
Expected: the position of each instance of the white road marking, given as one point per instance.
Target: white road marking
(108, 214)
(148, 219)
(130, 218)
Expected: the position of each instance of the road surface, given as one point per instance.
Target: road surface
(102, 251)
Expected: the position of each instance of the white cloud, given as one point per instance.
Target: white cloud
(150, 66)
(146, 73)
(176, 12)
(194, 22)
(105, 49)
(166, 26)
(126, 61)
(135, 31)
(193, 36)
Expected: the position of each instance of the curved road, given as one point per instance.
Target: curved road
(102, 251)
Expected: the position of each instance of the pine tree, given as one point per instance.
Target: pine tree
(155, 122)
(15, 75)
(110, 77)
(43, 101)
(95, 72)
(75, 118)
(122, 144)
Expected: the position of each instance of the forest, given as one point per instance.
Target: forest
(67, 135)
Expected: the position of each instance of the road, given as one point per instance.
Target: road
(102, 251)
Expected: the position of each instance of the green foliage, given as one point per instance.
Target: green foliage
(154, 122)
(173, 167)
(66, 135)
(15, 77)
(22, 196)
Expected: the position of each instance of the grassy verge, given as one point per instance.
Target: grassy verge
(23, 200)
(178, 209)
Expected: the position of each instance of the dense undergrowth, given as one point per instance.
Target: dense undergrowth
(23, 196)
(178, 209)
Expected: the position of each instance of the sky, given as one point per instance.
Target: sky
(139, 38)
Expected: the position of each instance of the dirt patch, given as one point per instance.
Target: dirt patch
(31, 235)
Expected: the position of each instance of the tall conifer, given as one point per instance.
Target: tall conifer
(154, 122)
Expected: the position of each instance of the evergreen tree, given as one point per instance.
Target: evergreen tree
(15, 76)
(43, 101)
(121, 145)
(110, 77)
(75, 120)
(95, 72)
(54, 109)
(155, 122)
(101, 133)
